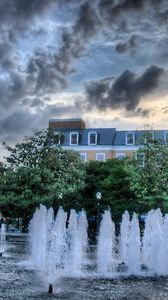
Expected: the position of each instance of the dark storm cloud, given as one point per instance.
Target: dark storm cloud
(22, 9)
(43, 74)
(6, 55)
(16, 18)
(163, 16)
(23, 121)
(16, 22)
(12, 89)
(129, 45)
(113, 9)
(137, 112)
(16, 122)
(125, 17)
(30, 80)
(34, 102)
(126, 91)
(50, 68)
(19, 86)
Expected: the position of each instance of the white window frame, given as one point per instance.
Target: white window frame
(85, 156)
(92, 132)
(119, 154)
(133, 133)
(71, 133)
(103, 154)
(166, 132)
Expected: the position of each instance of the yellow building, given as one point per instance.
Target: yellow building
(100, 143)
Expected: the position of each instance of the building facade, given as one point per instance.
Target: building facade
(101, 143)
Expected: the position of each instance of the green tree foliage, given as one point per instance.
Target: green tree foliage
(111, 179)
(148, 173)
(38, 170)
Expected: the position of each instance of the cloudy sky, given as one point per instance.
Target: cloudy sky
(103, 60)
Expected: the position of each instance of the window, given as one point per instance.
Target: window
(141, 159)
(74, 138)
(166, 136)
(83, 156)
(92, 138)
(130, 138)
(100, 156)
(120, 156)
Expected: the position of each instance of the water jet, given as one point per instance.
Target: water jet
(58, 251)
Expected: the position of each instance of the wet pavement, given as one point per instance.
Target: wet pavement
(18, 281)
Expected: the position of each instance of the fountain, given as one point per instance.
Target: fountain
(59, 251)
(3, 239)
(38, 236)
(106, 245)
(124, 237)
(134, 244)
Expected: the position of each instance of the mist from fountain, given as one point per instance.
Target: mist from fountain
(146, 241)
(106, 258)
(77, 242)
(59, 240)
(56, 249)
(38, 238)
(134, 244)
(60, 250)
(3, 239)
(83, 240)
(165, 244)
(72, 240)
(124, 237)
(156, 263)
(49, 247)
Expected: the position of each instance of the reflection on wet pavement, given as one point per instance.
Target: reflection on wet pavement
(18, 281)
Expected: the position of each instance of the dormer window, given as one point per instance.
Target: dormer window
(74, 138)
(130, 138)
(92, 138)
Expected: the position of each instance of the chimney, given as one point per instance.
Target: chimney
(73, 124)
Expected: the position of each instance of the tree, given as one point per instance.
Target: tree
(149, 174)
(111, 179)
(37, 171)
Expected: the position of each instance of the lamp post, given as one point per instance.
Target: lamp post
(98, 197)
(57, 202)
(60, 196)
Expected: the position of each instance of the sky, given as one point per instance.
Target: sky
(105, 61)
